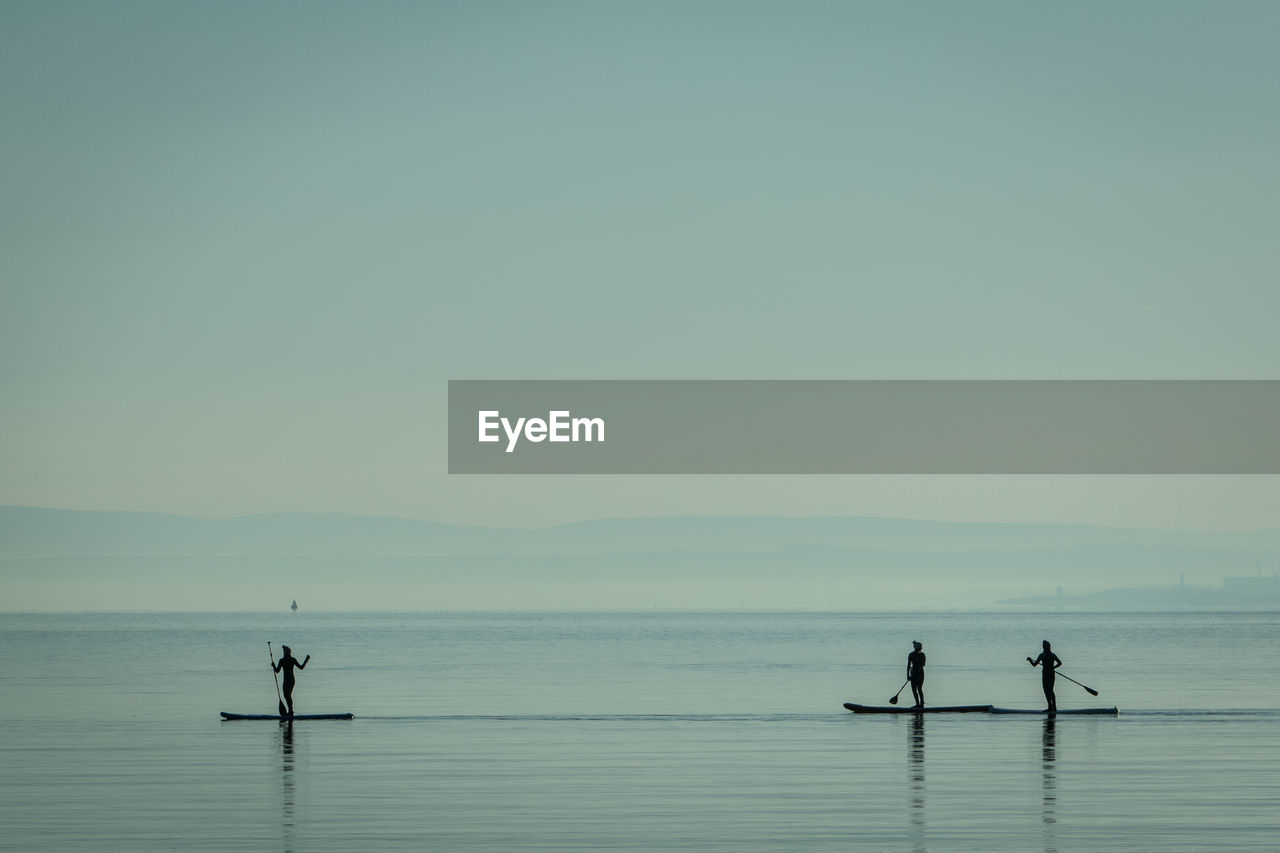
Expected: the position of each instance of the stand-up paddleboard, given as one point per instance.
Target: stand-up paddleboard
(970, 709)
(1109, 711)
(296, 716)
(928, 709)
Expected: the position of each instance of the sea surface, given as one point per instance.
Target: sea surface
(636, 731)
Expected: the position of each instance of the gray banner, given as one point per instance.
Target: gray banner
(863, 427)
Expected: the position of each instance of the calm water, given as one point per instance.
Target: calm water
(635, 732)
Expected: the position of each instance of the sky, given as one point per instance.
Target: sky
(244, 245)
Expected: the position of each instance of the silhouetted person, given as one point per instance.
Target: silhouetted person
(287, 663)
(1048, 662)
(915, 674)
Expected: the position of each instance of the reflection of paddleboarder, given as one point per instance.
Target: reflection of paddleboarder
(287, 663)
(1049, 662)
(915, 674)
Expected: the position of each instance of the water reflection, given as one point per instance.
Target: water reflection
(915, 776)
(1049, 783)
(288, 799)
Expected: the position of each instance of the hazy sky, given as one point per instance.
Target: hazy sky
(243, 245)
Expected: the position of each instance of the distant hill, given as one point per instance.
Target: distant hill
(67, 560)
(36, 532)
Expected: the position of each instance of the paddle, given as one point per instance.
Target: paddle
(894, 700)
(1085, 686)
(283, 710)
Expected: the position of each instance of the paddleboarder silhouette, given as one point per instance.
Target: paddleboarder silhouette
(287, 664)
(915, 673)
(1048, 662)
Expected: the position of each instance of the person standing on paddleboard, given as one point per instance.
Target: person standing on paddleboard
(915, 673)
(287, 663)
(1048, 662)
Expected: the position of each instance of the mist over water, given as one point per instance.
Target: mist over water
(699, 731)
(246, 250)
(60, 561)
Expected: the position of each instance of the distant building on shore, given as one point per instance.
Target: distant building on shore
(1264, 584)
(1260, 592)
